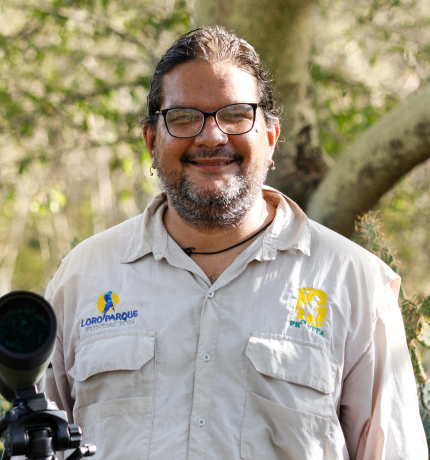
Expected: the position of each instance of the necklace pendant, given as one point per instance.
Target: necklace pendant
(188, 251)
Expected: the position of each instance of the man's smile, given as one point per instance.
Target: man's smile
(211, 164)
(215, 161)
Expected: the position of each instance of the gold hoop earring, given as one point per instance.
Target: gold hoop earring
(150, 171)
(273, 166)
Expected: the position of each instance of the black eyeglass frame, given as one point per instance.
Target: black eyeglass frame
(254, 106)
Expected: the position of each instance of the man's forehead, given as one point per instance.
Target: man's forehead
(208, 83)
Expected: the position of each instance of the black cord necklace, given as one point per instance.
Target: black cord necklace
(190, 251)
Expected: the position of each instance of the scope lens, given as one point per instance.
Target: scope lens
(24, 326)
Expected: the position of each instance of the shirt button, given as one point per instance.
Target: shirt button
(206, 357)
(211, 295)
(201, 422)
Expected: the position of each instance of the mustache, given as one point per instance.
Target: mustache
(217, 152)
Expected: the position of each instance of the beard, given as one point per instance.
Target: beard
(224, 206)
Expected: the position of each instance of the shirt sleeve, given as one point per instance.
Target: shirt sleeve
(379, 410)
(56, 384)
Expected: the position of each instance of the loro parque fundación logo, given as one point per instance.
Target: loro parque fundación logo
(109, 317)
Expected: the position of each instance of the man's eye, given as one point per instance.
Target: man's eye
(235, 117)
(183, 117)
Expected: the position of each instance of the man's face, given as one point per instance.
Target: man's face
(213, 179)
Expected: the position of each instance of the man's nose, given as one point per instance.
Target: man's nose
(211, 136)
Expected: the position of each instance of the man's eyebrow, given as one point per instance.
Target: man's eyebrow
(179, 107)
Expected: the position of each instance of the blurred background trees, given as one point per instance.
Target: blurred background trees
(74, 76)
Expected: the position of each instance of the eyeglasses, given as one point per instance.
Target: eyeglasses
(232, 119)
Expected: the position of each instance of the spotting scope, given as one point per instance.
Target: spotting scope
(34, 427)
(28, 330)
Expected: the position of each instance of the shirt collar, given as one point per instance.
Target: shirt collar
(290, 230)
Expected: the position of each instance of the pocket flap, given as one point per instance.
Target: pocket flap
(293, 360)
(113, 352)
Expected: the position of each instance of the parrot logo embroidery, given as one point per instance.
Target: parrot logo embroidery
(107, 303)
(309, 301)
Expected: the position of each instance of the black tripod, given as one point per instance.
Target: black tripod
(34, 427)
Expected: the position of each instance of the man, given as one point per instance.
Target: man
(222, 323)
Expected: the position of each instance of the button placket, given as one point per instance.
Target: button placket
(203, 382)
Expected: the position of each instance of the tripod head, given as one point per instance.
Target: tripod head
(34, 427)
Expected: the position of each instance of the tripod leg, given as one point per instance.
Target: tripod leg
(85, 451)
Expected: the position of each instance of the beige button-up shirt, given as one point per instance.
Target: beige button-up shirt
(297, 351)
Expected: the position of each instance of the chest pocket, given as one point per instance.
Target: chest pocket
(114, 385)
(289, 411)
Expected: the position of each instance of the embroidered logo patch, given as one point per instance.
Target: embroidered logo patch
(109, 317)
(107, 303)
(311, 309)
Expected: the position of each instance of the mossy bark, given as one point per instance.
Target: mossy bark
(372, 165)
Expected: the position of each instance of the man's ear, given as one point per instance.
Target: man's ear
(273, 132)
(148, 133)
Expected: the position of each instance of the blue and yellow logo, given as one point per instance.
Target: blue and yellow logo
(106, 305)
(309, 301)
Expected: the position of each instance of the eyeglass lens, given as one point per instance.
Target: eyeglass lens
(233, 119)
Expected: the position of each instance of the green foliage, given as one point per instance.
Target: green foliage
(415, 313)
(345, 109)
(368, 56)
(425, 307)
(73, 78)
(405, 213)
(4, 407)
(69, 65)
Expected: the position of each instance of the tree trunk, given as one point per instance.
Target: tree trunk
(372, 165)
(280, 32)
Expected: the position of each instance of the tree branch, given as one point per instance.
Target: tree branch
(372, 165)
